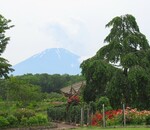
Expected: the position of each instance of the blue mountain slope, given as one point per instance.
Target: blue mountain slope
(51, 61)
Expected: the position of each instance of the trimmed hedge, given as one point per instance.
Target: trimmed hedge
(72, 115)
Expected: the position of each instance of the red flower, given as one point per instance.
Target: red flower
(73, 99)
(97, 119)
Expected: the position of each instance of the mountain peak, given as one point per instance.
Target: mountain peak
(51, 61)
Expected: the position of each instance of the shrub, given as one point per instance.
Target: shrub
(62, 114)
(57, 113)
(97, 119)
(32, 121)
(13, 121)
(32, 105)
(24, 121)
(42, 119)
(113, 117)
(93, 107)
(133, 116)
(3, 113)
(3, 122)
(24, 113)
(105, 101)
(148, 120)
(73, 114)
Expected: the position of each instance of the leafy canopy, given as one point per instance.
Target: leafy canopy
(121, 69)
(5, 67)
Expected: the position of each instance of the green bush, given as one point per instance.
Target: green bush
(42, 119)
(33, 121)
(3, 122)
(32, 105)
(135, 117)
(24, 121)
(74, 114)
(3, 113)
(105, 101)
(13, 121)
(92, 107)
(57, 113)
(138, 120)
(148, 120)
(24, 113)
(115, 121)
(62, 114)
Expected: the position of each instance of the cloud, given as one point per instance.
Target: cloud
(76, 25)
(71, 34)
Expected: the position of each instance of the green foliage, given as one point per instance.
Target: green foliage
(116, 121)
(50, 83)
(3, 113)
(3, 122)
(121, 69)
(42, 119)
(53, 96)
(57, 113)
(13, 121)
(22, 117)
(24, 121)
(20, 113)
(96, 72)
(5, 67)
(105, 101)
(62, 114)
(148, 120)
(32, 121)
(28, 88)
(74, 114)
(93, 106)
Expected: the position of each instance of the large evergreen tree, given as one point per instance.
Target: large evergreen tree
(5, 67)
(127, 52)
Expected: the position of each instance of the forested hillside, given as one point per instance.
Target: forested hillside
(34, 86)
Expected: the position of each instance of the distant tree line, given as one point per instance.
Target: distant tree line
(34, 87)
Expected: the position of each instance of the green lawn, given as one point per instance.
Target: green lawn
(96, 128)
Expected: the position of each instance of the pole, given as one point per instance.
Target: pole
(124, 116)
(82, 116)
(104, 123)
(88, 115)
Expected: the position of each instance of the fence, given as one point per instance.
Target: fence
(86, 115)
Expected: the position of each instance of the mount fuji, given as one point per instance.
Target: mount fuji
(50, 61)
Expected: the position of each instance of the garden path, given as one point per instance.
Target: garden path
(63, 126)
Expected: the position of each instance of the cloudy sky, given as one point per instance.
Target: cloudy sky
(76, 25)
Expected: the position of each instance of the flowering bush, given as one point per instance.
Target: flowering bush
(133, 116)
(109, 115)
(115, 117)
(97, 119)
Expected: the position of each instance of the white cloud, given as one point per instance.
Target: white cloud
(77, 25)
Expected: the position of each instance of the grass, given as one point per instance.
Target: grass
(97, 128)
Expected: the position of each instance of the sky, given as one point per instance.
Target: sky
(76, 25)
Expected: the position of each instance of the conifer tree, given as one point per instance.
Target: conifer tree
(5, 67)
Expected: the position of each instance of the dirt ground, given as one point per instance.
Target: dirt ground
(63, 126)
